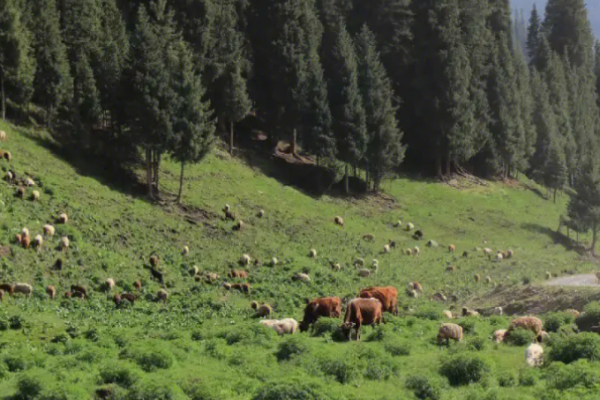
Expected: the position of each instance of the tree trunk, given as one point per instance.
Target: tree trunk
(3, 99)
(346, 181)
(180, 183)
(231, 138)
(156, 170)
(555, 190)
(594, 237)
(438, 163)
(149, 171)
(448, 166)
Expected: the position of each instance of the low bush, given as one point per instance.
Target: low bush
(464, 369)
(30, 385)
(568, 349)
(589, 318)
(345, 370)
(554, 321)
(520, 337)
(430, 313)
(396, 347)
(579, 374)
(121, 373)
(478, 343)
(423, 388)
(291, 390)
(292, 346)
(156, 388)
(325, 327)
(529, 377)
(149, 358)
(507, 380)
(468, 325)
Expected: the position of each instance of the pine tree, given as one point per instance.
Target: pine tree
(443, 85)
(237, 104)
(85, 97)
(584, 205)
(17, 64)
(152, 99)
(193, 127)
(533, 35)
(53, 83)
(544, 120)
(384, 150)
(349, 119)
(555, 170)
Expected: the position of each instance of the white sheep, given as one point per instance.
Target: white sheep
(375, 262)
(274, 261)
(498, 335)
(386, 248)
(25, 232)
(534, 355)
(64, 243)
(245, 259)
(447, 314)
(497, 311)
(359, 262)
(110, 284)
(9, 176)
(410, 226)
(38, 241)
(282, 327)
(3, 136)
(185, 251)
(398, 224)
(261, 214)
(302, 277)
(29, 182)
(312, 253)
(195, 270)
(35, 195)
(48, 230)
(23, 288)
(63, 218)
(416, 251)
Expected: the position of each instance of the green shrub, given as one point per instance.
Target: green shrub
(589, 318)
(381, 333)
(202, 390)
(507, 380)
(463, 369)
(291, 390)
(478, 343)
(63, 392)
(396, 348)
(154, 387)
(468, 325)
(554, 321)
(3, 324)
(529, 377)
(346, 369)
(292, 346)
(380, 368)
(579, 374)
(520, 337)
(149, 358)
(429, 313)
(325, 327)
(16, 322)
(572, 348)
(29, 385)
(422, 388)
(216, 348)
(120, 373)
(3, 371)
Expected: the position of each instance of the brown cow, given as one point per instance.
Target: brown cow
(361, 312)
(328, 307)
(240, 273)
(388, 296)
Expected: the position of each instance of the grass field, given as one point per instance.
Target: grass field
(205, 343)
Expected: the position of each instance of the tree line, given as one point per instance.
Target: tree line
(444, 86)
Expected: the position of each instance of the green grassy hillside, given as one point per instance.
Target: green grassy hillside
(205, 343)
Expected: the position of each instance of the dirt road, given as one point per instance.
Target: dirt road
(587, 280)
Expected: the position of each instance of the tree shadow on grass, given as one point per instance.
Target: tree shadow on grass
(557, 237)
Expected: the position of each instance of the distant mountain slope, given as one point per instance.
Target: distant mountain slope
(593, 8)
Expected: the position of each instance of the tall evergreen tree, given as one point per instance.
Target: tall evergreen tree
(85, 96)
(533, 35)
(544, 120)
(53, 83)
(17, 64)
(443, 84)
(193, 127)
(349, 119)
(555, 170)
(237, 104)
(584, 205)
(384, 149)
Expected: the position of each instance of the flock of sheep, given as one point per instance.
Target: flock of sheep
(366, 309)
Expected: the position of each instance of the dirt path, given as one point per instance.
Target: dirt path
(587, 280)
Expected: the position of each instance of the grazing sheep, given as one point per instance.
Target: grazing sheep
(51, 292)
(58, 264)
(261, 214)
(386, 248)
(439, 297)
(477, 277)
(359, 262)
(375, 262)
(117, 299)
(369, 237)
(285, 326)
(48, 230)
(497, 311)
(447, 314)
(18, 238)
(9, 177)
(488, 280)
(452, 248)
(25, 232)
(469, 313)
(375, 268)
(254, 305)
(498, 335)
(109, 284)
(415, 286)
(64, 243)
(449, 332)
(312, 253)
(226, 286)
(79, 289)
(410, 226)
(392, 244)
(154, 261)
(451, 269)
(418, 235)
(3, 136)
(242, 287)
(38, 241)
(157, 275)
(6, 288)
(274, 261)
(130, 297)
(25, 242)
(573, 312)
(237, 273)
(35, 195)
(137, 285)
(29, 182)
(488, 252)
(211, 277)
(339, 221)
(20, 192)
(416, 251)
(509, 254)
(408, 252)
(302, 277)
(499, 257)
(23, 288)
(337, 267)
(543, 337)
(465, 254)
(432, 243)
(364, 273)
(68, 294)
(162, 295)
(228, 214)
(532, 324)
(412, 293)
(195, 270)
(534, 355)
(7, 156)
(185, 251)
(63, 218)
(262, 311)
(239, 225)
(244, 260)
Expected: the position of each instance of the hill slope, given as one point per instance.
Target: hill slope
(113, 232)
